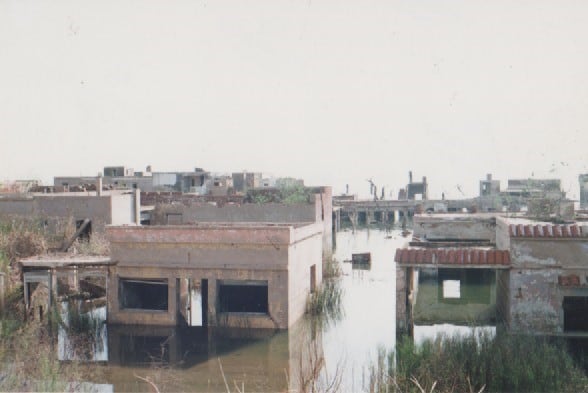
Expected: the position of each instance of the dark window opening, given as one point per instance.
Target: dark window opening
(575, 311)
(143, 294)
(248, 296)
(86, 231)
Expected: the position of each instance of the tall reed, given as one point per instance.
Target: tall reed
(480, 362)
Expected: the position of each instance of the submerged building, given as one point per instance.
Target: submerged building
(546, 290)
(233, 274)
(540, 270)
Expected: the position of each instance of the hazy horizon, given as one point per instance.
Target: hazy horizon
(334, 92)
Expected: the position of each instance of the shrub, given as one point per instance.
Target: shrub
(24, 243)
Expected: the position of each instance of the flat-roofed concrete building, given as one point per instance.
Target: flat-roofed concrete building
(233, 274)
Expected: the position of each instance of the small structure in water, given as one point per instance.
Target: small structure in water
(361, 260)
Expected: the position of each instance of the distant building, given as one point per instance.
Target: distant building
(113, 177)
(490, 198)
(548, 188)
(414, 189)
(118, 171)
(243, 181)
(583, 191)
(220, 185)
(543, 198)
(193, 182)
(489, 187)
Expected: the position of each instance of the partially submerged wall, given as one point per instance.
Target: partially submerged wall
(219, 253)
(455, 227)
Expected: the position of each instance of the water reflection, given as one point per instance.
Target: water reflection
(459, 296)
(430, 332)
(202, 359)
(82, 334)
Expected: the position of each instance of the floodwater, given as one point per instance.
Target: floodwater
(219, 360)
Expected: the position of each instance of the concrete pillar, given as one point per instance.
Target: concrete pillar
(401, 302)
(404, 291)
(99, 186)
(353, 217)
(137, 205)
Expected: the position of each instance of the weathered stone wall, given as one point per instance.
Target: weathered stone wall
(203, 212)
(567, 253)
(535, 293)
(97, 209)
(535, 301)
(17, 206)
(502, 296)
(77, 207)
(462, 227)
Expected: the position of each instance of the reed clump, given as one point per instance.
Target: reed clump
(326, 300)
(331, 268)
(482, 363)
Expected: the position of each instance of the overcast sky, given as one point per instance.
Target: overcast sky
(334, 92)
